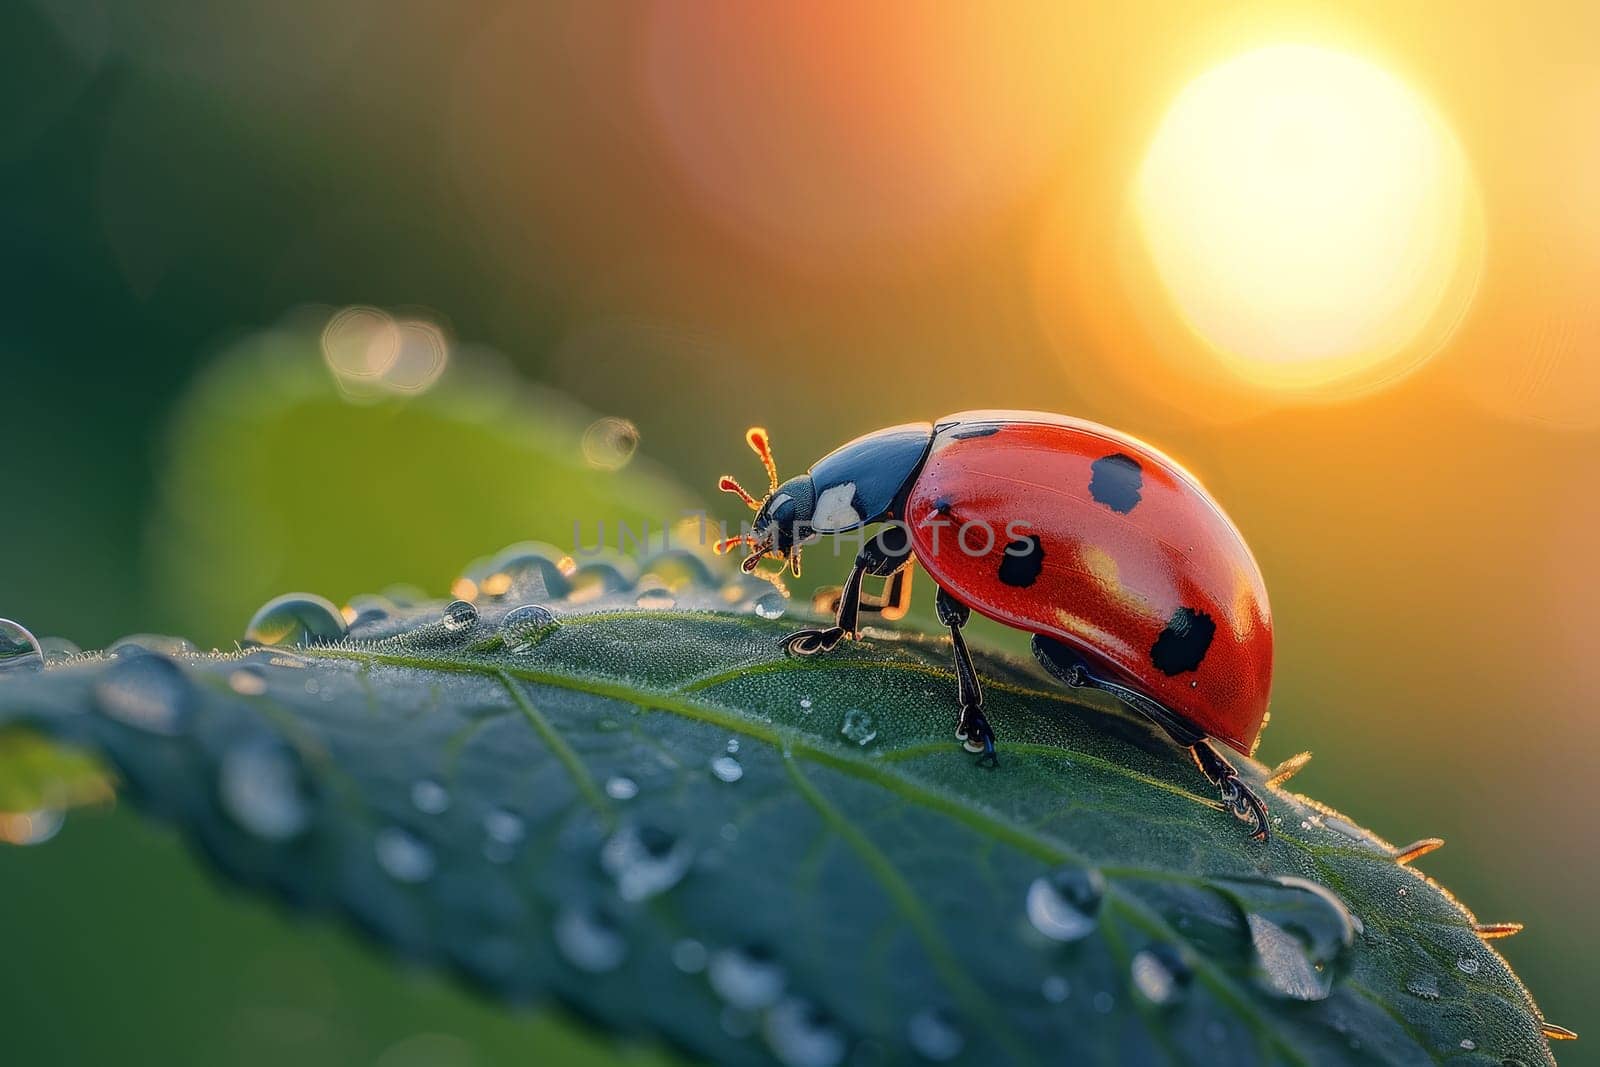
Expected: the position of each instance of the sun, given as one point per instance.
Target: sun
(1313, 219)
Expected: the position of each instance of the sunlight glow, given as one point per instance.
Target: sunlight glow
(1312, 218)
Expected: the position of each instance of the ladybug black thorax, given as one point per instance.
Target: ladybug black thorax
(868, 479)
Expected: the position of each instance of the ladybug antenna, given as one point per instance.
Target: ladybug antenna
(722, 547)
(728, 485)
(756, 437)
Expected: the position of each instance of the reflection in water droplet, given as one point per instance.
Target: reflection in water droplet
(589, 940)
(1065, 905)
(609, 443)
(689, 956)
(727, 769)
(259, 786)
(1300, 933)
(295, 619)
(747, 978)
(934, 1035)
(523, 627)
(801, 1035)
(858, 727)
(644, 861)
(249, 680)
(656, 600)
(30, 827)
(403, 855)
(1467, 964)
(619, 787)
(1159, 973)
(148, 691)
(429, 797)
(1055, 989)
(459, 615)
(1425, 986)
(771, 605)
(19, 649)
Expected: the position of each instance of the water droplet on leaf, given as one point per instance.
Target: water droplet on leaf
(1425, 986)
(295, 619)
(404, 856)
(459, 615)
(259, 785)
(1160, 974)
(727, 769)
(934, 1035)
(858, 727)
(656, 600)
(621, 788)
(802, 1035)
(523, 627)
(589, 940)
(1055, 989)
(19, 649)
(1065, 905)
(149, 692)
(429, 797)
(1468, 964)
(746, 978)
(771, 605)
(689, 956)
(644, 861)
(1300, 933)
(30, 827)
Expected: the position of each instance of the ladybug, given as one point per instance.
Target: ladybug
(1129, 576)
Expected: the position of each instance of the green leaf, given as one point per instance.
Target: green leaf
(653, 817)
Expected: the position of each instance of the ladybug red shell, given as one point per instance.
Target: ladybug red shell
(1118, 552)
(1129, 575)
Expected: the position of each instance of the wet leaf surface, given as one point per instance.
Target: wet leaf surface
(650, 815)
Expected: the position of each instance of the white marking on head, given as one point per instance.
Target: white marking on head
(835, 510)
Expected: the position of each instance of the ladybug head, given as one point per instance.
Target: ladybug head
(783, 517)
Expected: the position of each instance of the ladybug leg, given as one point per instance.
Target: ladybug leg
(885, 554)
(1067, 666)
(892, 603)
(1239, 798)
(972, 728)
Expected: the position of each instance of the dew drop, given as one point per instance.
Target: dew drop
(934, 1035)
(656, 600)
(259, 785)
(249, 681)
(429, 797)
(689, 956)
(727, 769)
(609, 443)
(1065, 905)
(1299, 932)
(149, 692)
(802, 1035)
(858, 727)
(588, 940)
(644, 861)
(459, 615)
(30, 827)
(1160, 974)
(367, 608)
(1055, 989)
(733, 746)
(523, 627)
(1468, 964)
(771, 605)
(619, 787)
(529, 572)
(403, 856)
(1468, 1044)
(134, 644)
(1425, 986)
(747, 978)
(19, 649)
(1103, 1002)
(295, 619)
(805, 705)
(504, 826)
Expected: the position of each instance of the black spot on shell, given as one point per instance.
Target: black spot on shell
(1023, 561)
(982, 429)
(1115, 482)
(1183, 644)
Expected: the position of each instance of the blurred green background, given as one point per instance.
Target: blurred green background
(698, 220)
